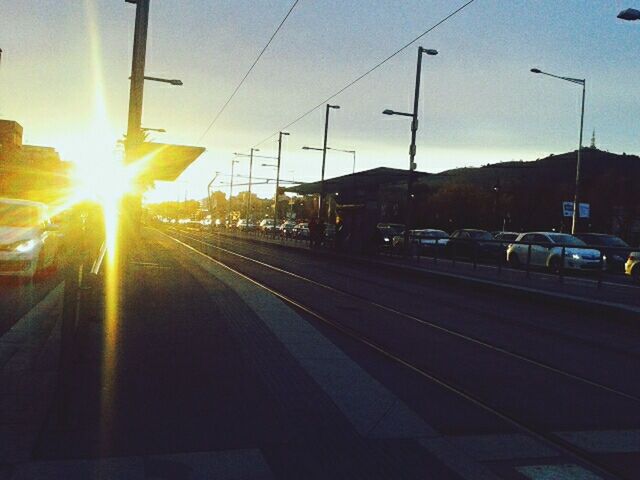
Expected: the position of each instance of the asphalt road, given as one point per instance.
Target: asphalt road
(194, 360)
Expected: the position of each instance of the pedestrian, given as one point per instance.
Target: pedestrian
(313, 232)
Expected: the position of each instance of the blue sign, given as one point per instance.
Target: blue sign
(567, 210)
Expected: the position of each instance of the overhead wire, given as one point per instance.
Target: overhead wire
(246, 75)
(369, 71)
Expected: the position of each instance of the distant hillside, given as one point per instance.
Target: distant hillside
(531, 194)
(557, 169)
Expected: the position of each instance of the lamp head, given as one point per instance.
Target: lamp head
(337, 107)
(429, 51)
(536, 70)
(388, 112)
(629, 14)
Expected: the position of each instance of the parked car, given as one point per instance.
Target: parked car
(425, 239)
(473, 243)
(301, 231)
(615, 250)
(385, 233)
(266, 225)
(28, 242)
(632, 267)
(507, 238)
(286, 229)
(546, 251)
(244, 225)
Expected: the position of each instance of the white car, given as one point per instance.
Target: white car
(425, 238)
(27, 243)
(546, 251)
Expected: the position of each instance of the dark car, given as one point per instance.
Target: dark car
(613, 248)
(473, 243)
(385, 233)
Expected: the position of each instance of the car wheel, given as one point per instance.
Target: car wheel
(514, 261)
(555, 265)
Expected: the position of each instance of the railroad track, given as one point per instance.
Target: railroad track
(524, 426)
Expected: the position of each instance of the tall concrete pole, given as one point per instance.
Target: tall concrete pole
(134, 131)
(250, 183)
(275, 202)
(576, 195)
(412, 153)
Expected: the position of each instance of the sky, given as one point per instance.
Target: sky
(479, 102)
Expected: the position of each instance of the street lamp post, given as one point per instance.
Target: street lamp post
(250, 178)
(275, 204)
(412, 147)
(324, 157)
(134, 131)
(576, 195)
(233, 163)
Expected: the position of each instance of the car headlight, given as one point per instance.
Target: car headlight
(387, 239)
(25, 246)
(575, 256)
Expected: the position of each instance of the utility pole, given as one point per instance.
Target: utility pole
(233, 163)
(250, 178)
(324, 158)
(412, 148)
(576, 197)
(275, 202)
(134, 128)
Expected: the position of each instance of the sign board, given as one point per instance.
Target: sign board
(567, 210)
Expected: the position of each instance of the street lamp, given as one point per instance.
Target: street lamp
(576, 195)
(324, 156)
(173, 81)
(629, 14)
(248, 212)
(233, 163)
(159, 130)
(412, 148)
(353, 152)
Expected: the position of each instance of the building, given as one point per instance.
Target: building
(29, 171)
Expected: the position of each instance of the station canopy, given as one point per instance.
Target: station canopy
(365, 180)
(165, 162)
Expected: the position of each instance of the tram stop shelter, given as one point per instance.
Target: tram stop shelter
(361, 200)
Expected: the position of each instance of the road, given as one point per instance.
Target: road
(283, 358)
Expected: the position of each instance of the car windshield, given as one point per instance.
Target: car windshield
(16, 215)
(605, 240)
(480, 235)
(508, 236)
(565, 239)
